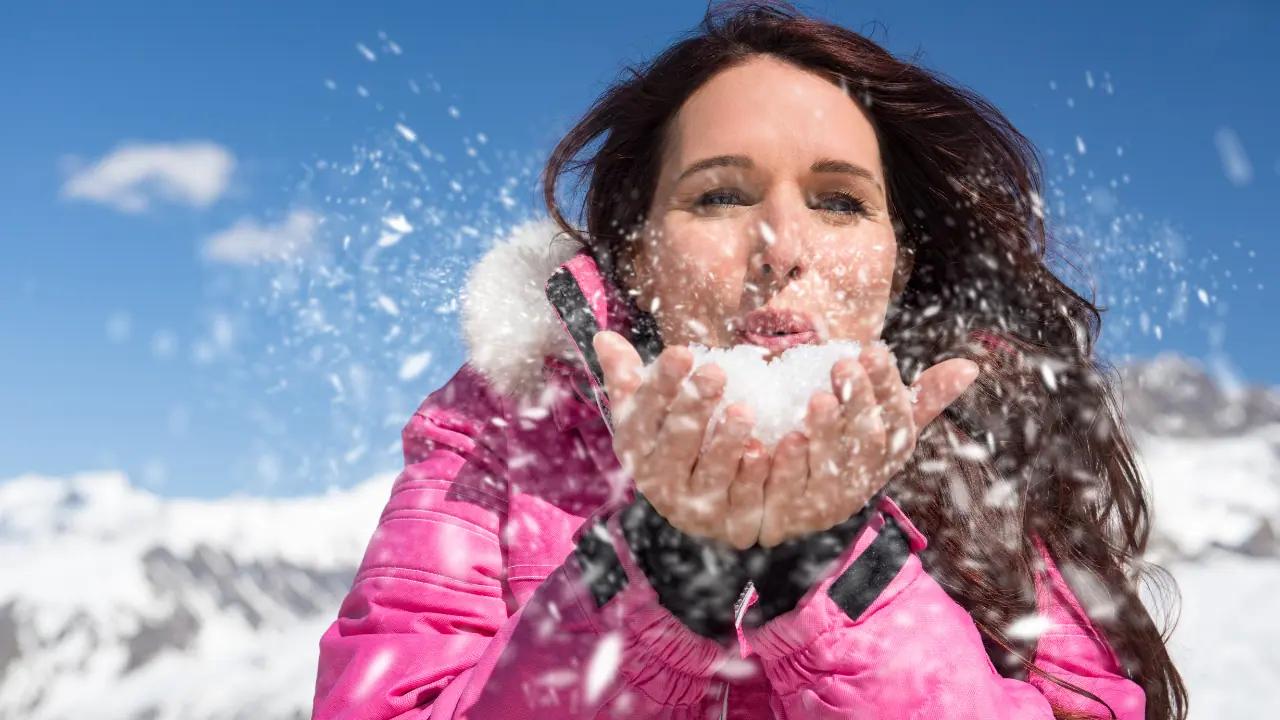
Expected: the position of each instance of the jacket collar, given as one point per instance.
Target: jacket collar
(529, 309)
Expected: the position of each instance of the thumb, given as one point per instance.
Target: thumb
(939, 386)
(620, 363)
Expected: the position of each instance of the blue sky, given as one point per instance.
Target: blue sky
(131, 342)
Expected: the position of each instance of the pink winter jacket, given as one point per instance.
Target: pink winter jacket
(477, 596)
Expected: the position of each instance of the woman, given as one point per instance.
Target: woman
(562, 543)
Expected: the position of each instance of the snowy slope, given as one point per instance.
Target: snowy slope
(1227, 642)
(118, 604)
(115, 603)
(1210, 455)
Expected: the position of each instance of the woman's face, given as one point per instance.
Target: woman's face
(770, 196)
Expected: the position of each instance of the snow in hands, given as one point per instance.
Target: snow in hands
(777, 390)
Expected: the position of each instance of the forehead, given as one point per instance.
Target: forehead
(778, 114)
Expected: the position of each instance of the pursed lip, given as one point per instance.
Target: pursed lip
(777, 329)
(778, 343)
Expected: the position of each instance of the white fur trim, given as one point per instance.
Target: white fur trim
(507, 322)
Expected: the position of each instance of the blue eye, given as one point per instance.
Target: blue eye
(708, 199)
(847, 204)
(839, 203)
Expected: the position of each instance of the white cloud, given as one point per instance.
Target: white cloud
(1235, 163)
(248, 241)
(133, 176)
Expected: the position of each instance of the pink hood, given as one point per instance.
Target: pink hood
(498, 583)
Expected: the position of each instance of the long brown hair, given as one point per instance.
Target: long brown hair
(1036, 448)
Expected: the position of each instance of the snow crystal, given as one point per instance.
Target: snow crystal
(395, 227)
(413, 365)
(734, 668)
(1029, 627)
(398, 223)
(1235, 163)
(388, 305)
(355, 453)
(1049, 376)
(766, 232)
(366, 52)
(406, 132)
(558, 678)
(603, 666)
(972, 451)
(777, 390)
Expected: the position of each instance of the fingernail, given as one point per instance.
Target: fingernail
(707, 387)
(738, 427)
(793, 442)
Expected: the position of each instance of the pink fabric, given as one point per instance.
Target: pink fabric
(469, 604)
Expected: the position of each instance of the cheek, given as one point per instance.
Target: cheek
(858, 275)
(862, 264)
(706, 260)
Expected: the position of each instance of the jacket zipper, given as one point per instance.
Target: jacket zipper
(724, 705)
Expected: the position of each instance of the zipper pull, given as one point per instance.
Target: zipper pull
(746, 599)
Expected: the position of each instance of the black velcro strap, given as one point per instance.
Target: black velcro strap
(871, 573)
(645, 335)
(572, 306)
(599, 564)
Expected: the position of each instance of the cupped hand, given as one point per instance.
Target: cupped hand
(660, 417)
(856, 439)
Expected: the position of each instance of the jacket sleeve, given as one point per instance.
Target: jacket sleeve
(1072, 649)
(425, 630)
(879, 638)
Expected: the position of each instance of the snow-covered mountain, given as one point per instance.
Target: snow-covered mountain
(1209, 454)
(118, 604)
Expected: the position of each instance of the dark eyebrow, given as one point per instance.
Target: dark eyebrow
(741, 161)
(828, 165)
(825, 165)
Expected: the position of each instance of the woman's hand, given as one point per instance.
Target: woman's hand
(856, 439)
(659, 426)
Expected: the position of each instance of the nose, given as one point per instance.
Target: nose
(766, 269)
(780, 249)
